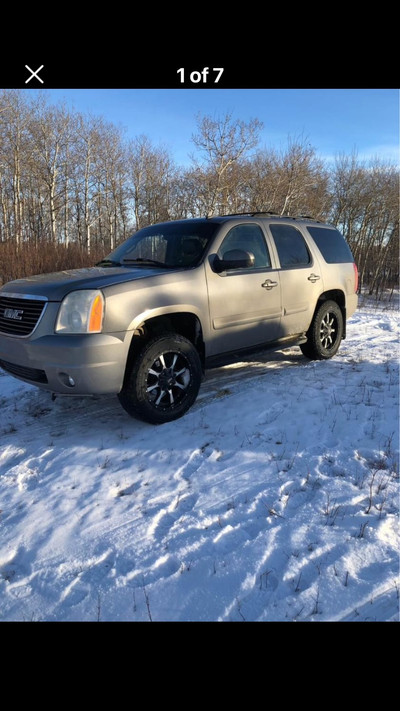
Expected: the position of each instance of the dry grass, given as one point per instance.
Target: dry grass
(44, 258)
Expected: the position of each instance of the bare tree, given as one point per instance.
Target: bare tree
(49, 135)
(221, 142)
(300, 175)
(365, 208)
(15, 119)
(152, 175)
(289, 182)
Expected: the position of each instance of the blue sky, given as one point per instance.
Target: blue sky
(333, 120)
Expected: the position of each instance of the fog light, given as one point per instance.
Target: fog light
(67, 380)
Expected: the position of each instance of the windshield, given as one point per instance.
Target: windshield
(170, 245)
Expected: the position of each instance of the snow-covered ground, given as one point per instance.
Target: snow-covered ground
(274, 498)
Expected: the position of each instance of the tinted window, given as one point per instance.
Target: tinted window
(250, 239)
(292, 249)
(173, 244)
(331, 244)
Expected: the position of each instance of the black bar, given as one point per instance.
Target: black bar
(104, 72)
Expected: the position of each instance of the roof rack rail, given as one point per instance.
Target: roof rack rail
(307, 217)
(234, 214)
(249, 213)
(266, 212)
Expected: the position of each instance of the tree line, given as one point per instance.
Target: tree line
(72, 187)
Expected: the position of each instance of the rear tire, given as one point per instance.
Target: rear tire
(164, 380)
(325, 333)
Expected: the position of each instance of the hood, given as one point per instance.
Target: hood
(56, 285)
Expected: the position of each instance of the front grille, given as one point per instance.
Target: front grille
(21, 371)
(18, 317)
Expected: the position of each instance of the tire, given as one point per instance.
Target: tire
(164, 380)
(325, 333)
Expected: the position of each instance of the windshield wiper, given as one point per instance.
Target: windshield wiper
(142, 260)
(108, 263)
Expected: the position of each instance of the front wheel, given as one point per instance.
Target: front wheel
(164, 380)
(325, 333)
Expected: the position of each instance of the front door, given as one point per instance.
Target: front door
(245, 304)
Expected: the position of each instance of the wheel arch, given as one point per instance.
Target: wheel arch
(182, 322)
(339, 297)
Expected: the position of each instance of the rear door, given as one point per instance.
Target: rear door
(245, 304)
(300, 278)
(340, 270)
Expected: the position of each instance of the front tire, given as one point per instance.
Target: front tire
(164, 380)
(325, 333)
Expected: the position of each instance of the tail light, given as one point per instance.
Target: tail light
(355, 278)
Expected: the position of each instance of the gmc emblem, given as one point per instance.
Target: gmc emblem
(15, 314)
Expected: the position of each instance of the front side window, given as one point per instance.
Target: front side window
(291, 247)
(248, 238)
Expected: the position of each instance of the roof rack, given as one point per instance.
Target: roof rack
(306, 217)
(250, 213)
(230, 214)
(265, 212)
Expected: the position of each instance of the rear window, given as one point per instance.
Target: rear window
(331, 244)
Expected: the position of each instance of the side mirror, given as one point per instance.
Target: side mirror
(233, 259)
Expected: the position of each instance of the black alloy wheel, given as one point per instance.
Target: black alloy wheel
(164, 380)
(325, 333)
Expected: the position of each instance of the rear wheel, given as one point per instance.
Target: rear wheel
(164, 380)
(325, 333)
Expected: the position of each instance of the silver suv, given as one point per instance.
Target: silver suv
(174, 299)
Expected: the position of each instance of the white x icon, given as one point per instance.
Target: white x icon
(34, 74)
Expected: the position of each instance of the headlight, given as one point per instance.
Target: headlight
(81, 312)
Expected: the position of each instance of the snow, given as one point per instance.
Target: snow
(274, 498)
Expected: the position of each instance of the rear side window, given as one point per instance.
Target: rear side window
(331, 244)
(292, 249)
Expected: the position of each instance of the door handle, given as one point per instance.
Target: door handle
(313, 278)
(268, 284)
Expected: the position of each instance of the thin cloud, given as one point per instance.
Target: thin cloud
(386, 152)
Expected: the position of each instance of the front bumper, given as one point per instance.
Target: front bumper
(94, 363)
